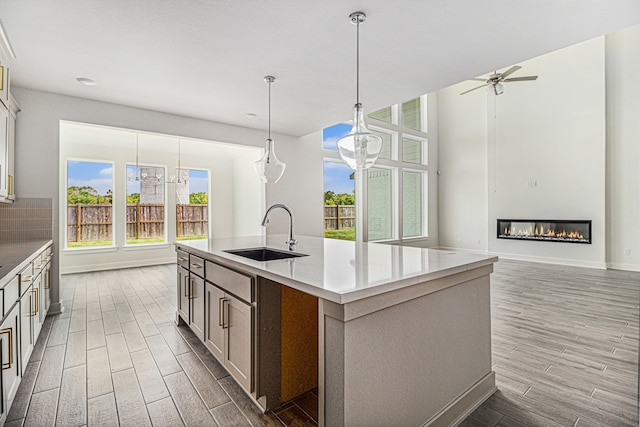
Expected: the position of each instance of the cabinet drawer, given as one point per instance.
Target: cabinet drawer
(196, 265)
(231, 281)
(10, 294)
(183, 258)
(26, 277)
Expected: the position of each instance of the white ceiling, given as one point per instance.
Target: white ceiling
(207, 58)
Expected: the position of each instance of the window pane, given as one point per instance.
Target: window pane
(339, 201)
(411, 204)
(332, 134)
(385, 152)
(384, 115)
(145, 205)
(379, 201)
(411, 114)
(412, 150)
(89, 204)
(192, 204)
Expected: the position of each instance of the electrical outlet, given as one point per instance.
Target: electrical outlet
(627, 251)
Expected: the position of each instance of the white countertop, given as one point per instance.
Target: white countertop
(338, 270)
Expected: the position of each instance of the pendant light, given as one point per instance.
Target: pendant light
(359, 148)
(129, 173)
(269, 168)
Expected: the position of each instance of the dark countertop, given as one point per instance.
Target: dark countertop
(14, 256)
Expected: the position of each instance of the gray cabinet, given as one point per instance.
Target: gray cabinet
(183, 293)
(214, 334)
(197, 298)
(236, 321)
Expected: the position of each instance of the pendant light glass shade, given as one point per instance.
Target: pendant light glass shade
(269, 168)
(359, 148)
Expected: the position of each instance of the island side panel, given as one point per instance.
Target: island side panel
(425, 360)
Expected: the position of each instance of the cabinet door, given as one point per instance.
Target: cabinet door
(214, 334)
(197, 306)
(183, 294)
(11, 153)
(36, 290)
(46, 291)
(237, 325)
(4, 137)
(26, 331)
(10, 356)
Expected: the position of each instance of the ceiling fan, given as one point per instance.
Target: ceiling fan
(496, 79)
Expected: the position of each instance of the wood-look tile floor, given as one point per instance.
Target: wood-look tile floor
(565, 352)
(115, 357)
(565, 347)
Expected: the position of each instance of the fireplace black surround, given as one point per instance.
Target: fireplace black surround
(568, 231)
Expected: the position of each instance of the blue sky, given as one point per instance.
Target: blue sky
(336, 175)
(100, 177)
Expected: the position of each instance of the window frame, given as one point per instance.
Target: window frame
(113, 213)
(165, 241)
(398, 166)
(209, 207)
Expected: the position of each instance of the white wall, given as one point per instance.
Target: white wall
(623, 148)
(235, 192)
(550, 131)
(37, 148)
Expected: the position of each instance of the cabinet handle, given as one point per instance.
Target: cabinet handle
(27, 278)
(191, 287)
(180, 258)
(9, 331)
(225, 325)
(47, 280)
(220, 311)
(37, 302)
(186, 292)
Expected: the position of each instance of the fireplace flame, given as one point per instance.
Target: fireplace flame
(541, 232)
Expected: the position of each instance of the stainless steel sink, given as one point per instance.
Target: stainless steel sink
(264, 254)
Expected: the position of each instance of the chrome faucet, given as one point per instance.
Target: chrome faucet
(292, 241)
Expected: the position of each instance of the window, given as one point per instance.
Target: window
(192, 204)
(339, 201)
(145, 211)
(89, 204)
(396, 187)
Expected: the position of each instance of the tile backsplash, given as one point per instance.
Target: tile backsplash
(28, 218)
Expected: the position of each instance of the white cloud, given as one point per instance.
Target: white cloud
(106, 171)
(330, 143)
(100, 184)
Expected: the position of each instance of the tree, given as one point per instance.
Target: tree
(198, 198)
(342, 199)
(87, 196)
(133, 198)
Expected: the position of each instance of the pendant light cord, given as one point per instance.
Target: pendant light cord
(269, 109)
(357, 60)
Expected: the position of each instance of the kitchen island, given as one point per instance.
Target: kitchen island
(403, 334)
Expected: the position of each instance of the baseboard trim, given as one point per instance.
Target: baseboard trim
(466, 403)
(116, 265)
(623, 266)
(54, 308)
(559, 261)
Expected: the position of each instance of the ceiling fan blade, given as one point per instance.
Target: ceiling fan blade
(520, 79)
(479, 80)
(478, 87)
(510, 71)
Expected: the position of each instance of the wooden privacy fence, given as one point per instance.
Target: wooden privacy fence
(339, 217)
(144, 221)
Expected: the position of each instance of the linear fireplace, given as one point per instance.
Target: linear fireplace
(576, 231)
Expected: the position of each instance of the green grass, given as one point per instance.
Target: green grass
(344, 234)
(89, 243)
(143, 241)
(192, 237)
